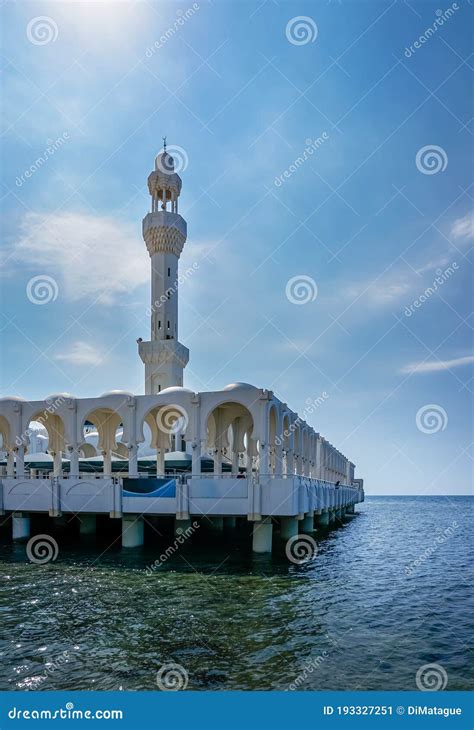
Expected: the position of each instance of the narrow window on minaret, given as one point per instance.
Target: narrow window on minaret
(159, 324)
(169, 271)
(168, 324)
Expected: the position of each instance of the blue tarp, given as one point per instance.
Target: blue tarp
(149, 487)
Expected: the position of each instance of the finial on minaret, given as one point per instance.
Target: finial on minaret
(164, 144)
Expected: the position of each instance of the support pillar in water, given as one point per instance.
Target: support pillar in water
(307, 523)
(20, 526)
(262, 536)
(332, 516)
(180, 527)
(217, 523)
(322, 520)
(132, 531)
(288, 527)
(87, 524)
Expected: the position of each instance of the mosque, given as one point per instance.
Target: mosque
(227, 455)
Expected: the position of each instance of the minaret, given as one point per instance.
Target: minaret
(164, 231)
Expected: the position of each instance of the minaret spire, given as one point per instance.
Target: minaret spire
(164, 231)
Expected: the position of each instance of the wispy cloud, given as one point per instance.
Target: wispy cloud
(92, 256)
(81, 353)
(463, 228)
(436, 366)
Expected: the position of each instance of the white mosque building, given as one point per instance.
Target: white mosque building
(219, 455)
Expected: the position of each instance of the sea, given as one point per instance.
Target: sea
(385, 596)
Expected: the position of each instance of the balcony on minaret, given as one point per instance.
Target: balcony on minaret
(164, 232)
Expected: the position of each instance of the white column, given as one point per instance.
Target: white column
(262, 536)
(318, 459)
(20, 526)
(160, 461)
(279, 459)
(57, 463)
(264, 460)
(11, 463)
(251, 451)
(74, 462)
(20, 461)
(107, 462)
(196, 458)
(133, 460)
(132, 530)
(299, 463)
(218, 458)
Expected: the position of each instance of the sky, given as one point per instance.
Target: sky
(325, 152)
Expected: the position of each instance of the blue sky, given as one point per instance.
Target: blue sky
(371, 229)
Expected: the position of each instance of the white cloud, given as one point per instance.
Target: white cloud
(93, 257)
(382, 290)
(436, 365)
(463, 228)
(81, 353)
